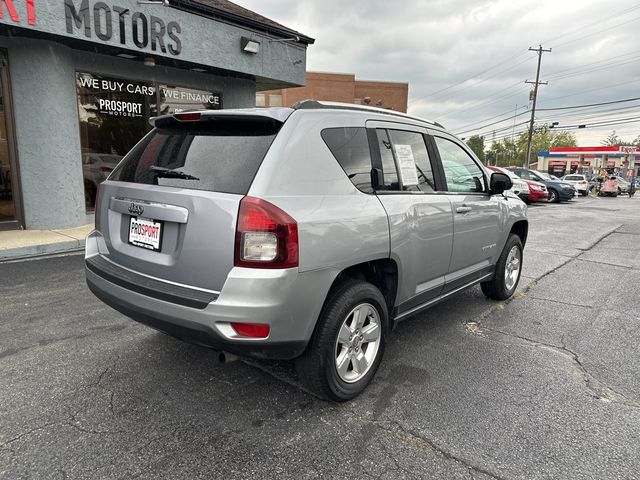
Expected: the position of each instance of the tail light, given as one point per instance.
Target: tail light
(188, 117)
(266, 237)
(251, 330)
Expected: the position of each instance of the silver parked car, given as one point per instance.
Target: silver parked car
(300, 233)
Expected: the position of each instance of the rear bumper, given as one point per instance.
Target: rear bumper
(191, 331)
(288, 301)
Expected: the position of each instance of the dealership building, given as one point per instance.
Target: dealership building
(79, 80)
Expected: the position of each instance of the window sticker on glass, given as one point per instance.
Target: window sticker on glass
(407, 164)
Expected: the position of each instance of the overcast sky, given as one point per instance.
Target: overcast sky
(477, 51)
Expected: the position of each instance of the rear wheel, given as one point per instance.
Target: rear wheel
(347, 346)
(508, 269)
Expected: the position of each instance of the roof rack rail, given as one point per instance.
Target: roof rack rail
(315, 104)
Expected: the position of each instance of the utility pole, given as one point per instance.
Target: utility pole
(539, 50)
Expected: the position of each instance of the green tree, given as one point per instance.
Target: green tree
(543, 139)
(476, 143)
(613, 140)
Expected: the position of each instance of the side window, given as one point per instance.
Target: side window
(389, 171)
(461, 172)
(350, 147)
(413, 160)
(523, 174)
(535, 177)
(405, 161)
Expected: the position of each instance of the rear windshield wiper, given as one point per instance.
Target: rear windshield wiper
(171, 173)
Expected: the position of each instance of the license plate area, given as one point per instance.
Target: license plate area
(145, 233)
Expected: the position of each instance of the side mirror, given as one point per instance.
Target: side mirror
(499, 183)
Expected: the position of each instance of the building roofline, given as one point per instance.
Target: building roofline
(255, 21)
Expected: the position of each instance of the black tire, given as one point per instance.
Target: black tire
(317, 366)
(496, 288)
(553, 196)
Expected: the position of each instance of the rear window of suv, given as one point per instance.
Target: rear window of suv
(218, 156)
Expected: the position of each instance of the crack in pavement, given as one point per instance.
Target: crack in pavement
(625, 267)
(598, 389)
(413, 438)
(569, 304)
(24, 434)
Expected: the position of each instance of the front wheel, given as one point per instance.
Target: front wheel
(347, 346)
(508, 269)
(553, 196)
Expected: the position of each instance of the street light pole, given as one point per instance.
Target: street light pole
(539, 50)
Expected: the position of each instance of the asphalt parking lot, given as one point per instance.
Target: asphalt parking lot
(543, 386)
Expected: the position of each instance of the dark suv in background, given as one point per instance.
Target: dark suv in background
(558, 191)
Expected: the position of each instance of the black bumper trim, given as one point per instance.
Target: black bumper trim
(202, 335)
(148, 286)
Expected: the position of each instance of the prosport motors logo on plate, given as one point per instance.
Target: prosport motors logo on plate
(120, 108)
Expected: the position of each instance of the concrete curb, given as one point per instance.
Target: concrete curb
(32, 251)
(23, 244)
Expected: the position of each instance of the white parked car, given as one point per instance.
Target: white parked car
(579, 182)
(519, 186)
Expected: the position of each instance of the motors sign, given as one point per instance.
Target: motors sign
(130, 26)
(12, 11)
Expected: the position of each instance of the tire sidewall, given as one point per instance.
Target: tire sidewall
(512, 241)
(367, 294)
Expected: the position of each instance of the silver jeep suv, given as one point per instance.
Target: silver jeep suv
(300, 233)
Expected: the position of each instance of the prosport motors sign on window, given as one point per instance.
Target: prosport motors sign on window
(117, 107)
(101, 95)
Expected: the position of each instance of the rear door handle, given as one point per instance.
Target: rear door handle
(463, 209)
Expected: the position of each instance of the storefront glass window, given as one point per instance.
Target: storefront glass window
(7, 207)
(114, 115)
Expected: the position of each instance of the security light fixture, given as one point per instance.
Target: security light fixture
(151, 2)
(249, 46)
(199, 70)
(292, 39)
(150, 61)
(127, 56)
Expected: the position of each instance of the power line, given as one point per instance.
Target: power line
(553, 74)
(494, 123)
(600, 21)
(590, 104)
(475, 76)
(595, 32)
(554, 117)
(609, 87)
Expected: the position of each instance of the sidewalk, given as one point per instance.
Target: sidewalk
(16, 244)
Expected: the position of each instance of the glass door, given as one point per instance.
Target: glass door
(10, 214)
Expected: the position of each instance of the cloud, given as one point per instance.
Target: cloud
(467, 61)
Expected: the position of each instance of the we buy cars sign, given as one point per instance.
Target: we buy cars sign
(12, 11)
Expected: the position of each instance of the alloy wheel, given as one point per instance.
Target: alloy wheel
(358, 342)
